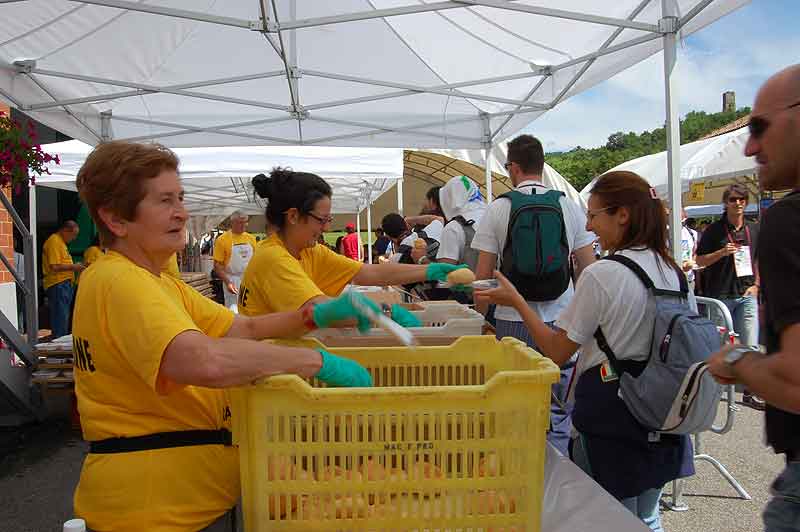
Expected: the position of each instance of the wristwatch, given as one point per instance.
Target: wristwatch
(737, 353)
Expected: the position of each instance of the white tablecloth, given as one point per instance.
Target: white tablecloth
(574, 502)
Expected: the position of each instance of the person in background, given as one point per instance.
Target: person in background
(338, 245)
(291, 271)
(463, 207)
(59, 275)
(688, 250)
(233, 250)
(93, 252)
(381, 244)
(153, 356)
(351, 243)
(727, 251)
(612, 447)
(775, 143)
(525, 164)
(431, 211)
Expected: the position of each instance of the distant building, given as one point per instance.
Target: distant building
(728, 102)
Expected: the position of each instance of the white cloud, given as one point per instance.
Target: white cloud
(634, 99)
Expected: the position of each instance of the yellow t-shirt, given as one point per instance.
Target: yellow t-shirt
(125, 317)
(91, 254)
(171, 268)
(223, 245)
(275, 281)
(55, 251)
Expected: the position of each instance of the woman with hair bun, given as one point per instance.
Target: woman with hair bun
(630, 462)
(290, 271)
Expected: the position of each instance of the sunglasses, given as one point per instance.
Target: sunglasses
(507, 166)
(758, 125)
(321, 219)
(737, 199)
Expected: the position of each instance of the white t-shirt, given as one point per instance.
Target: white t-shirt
(451, 246)
(490, 236)
(688, 247)
(611, 296)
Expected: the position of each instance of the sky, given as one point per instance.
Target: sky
(737, 53)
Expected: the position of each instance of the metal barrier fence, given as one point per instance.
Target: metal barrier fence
(717, 312)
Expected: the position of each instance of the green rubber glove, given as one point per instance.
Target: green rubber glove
(342, 308)
(338, 371)
(437, 271)
(404, 317)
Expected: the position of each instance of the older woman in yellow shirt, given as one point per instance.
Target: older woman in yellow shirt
(290, 270)
(152, 357)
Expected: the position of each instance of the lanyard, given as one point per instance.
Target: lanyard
(746, 232)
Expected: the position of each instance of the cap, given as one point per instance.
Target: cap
(350, 225)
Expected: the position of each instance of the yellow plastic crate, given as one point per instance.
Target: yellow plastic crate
(451, 438)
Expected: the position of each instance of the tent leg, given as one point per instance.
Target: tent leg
(369, 234)
(32, 311)
(670, 21)
(358, 232)
(400, 197)
(488, 163)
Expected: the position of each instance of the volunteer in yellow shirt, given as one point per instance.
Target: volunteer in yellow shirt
(290, 270)
(152, 357)
(59, 273)
(233, 250)
(92, 253)
(171, 268)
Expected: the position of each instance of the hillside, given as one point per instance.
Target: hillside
(581, 165)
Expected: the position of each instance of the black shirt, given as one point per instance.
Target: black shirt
(719, 279)
(381, 245)
(779, 251)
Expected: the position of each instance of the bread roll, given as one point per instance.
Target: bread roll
(461, 276)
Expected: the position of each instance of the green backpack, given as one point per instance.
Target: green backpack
(536, 257)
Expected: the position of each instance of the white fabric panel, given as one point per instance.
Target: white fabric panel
(217, 180)
(711, 159)
(130, 50)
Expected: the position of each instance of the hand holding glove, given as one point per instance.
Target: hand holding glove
(404, 317)
(437, 271)
(339, 371)
(342, 308)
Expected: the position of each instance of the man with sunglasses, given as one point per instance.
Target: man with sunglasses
(727, 251)
(775, 144)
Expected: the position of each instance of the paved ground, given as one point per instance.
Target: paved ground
(39, 467)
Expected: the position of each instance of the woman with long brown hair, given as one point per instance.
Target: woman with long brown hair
(630, 462)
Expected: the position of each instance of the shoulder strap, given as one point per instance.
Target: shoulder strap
(460, 219)
(642, 275)
(602, 343)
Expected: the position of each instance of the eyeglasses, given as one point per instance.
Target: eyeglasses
(324, 220)
(590, 215)
(507, 166)
(737, 199)
(758, 125)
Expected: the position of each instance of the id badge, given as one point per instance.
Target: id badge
(742, 262)
(607, 373)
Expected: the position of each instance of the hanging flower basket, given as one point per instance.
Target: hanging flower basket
(20, 157)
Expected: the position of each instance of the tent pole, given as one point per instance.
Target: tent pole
(358, 232)
(488, 174)
(32, 316)
(669, 22)
(400, 197)
(369, 233)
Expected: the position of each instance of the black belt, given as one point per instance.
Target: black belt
(161, 440)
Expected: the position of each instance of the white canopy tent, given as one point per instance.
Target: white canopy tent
(217, 180)
(444, 74)
(708, 160)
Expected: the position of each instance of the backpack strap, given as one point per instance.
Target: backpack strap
(460, 219)
(642, 275)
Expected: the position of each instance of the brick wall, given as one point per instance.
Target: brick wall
(6, 231)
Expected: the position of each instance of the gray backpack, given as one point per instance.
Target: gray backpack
(470, 256)
(671, 392)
